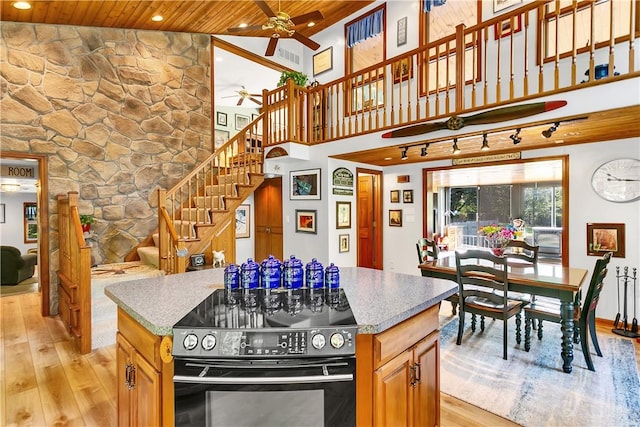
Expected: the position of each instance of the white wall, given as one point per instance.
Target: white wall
(12, 230)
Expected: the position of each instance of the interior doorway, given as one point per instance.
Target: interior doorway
(369, 219)
(42, 224)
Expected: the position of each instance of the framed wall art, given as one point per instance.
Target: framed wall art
(504, 28)
(394, 196)
(343, 214)
(407, 196)
(343, 243)
(402, 70)
(304, 184)
(603, 238)
(395, 218)
(241, 121)
(306, 221)
(220, 138)
(30, 222)
(500, 5)
(3, 213)
(243, 221)
(401, 33)
(221, 118)
(323, 61)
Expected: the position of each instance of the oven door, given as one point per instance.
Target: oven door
(283, 392)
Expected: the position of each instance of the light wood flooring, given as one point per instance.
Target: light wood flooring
(45, 382)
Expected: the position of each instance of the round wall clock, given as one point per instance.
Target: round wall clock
(617, 180)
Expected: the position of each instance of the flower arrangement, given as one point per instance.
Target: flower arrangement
(498, 237)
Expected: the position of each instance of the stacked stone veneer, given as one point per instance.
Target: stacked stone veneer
(118, 113)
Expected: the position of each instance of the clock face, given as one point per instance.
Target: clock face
(618, 180)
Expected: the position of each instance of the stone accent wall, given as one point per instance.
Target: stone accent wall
(118, 113)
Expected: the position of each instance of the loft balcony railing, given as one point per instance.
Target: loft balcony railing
(507, 59)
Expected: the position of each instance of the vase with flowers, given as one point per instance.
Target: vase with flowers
(498, 237)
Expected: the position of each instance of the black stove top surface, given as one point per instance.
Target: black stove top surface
(264, 309)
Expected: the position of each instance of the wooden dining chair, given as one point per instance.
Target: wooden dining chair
(522, 254)
(428, 252)
(483, 289)
(584, 314)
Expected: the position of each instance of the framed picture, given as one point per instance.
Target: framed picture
(306, 221)
(395, 218)
(220, 138)
(402, 31)
(402, 70)
(241, 121)
(3, 217)
(407, 196)
(304, 184)
(343, 243)
(395, 196)
(343, 214)
(500, 5)
(323, 61)
(603, 238)
(30, 217)
(221, 118)
(504, 28)
(243, 221)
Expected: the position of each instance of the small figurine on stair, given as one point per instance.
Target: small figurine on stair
(218, 258)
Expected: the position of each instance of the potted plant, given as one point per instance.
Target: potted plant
(300, 79)
(86, 221)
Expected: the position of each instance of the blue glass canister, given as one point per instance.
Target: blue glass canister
(293, 273)
(231, 276)
(249, 274)
(315, 274)
(332, 277)
(270, 273)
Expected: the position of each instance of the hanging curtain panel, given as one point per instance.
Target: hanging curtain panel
(369, 26)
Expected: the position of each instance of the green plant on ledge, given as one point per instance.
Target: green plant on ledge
(300, 79)
(87, 219)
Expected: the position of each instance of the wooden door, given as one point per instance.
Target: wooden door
(426, 398)
(369, 224)
(392, 392)
(268, 219)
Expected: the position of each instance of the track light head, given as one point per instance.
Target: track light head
(516, 137)
(455, 149)
(423, 150)
(485, 142)
(547, 133)
(404, 156)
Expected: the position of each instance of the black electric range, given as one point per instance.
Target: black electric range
(264, 323)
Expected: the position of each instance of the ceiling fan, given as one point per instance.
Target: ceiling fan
(244, 94)
(282, 26)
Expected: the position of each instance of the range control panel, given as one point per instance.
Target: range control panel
(227, 343)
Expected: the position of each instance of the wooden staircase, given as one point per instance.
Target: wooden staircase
(202, 205)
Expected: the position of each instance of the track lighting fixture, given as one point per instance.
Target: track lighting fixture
(547, 133)
(455, 149)
(485, 142)
(423, 151)
(516, 137)
(404, 153)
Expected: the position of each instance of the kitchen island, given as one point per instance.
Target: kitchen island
(397, 347)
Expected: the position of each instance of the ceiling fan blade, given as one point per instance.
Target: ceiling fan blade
(271, 47)
(265, 8)
(255, 100)
(306, 41)
(307, 17)
(494, 116)
(241, 29)
(240, 101)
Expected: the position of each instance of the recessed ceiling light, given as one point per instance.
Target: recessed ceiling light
(219, 59)
(22, 5)
(243, 25)
(388, 158)
(311, 24)
(157, 18)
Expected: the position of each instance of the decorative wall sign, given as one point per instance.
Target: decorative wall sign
(343, 214)
(343, 177)
(306, 221)
(323, 61)
(486, 159)
(402, 31)
(403, 178)
(603, 238)
(305, 184)
(343, 191)
(243, 221)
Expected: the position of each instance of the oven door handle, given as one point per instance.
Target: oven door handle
(307, 379)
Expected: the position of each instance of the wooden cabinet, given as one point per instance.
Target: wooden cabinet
(398, 380)
(145, 388)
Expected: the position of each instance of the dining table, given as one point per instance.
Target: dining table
(544, 279)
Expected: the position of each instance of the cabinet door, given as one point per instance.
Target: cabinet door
(392, 392)
(124, 363)
(426, 397)
(147, 394)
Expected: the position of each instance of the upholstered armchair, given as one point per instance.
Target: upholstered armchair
(15, 266)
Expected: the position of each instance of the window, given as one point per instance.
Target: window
(365, 48)
(440, 24)
(602, 11)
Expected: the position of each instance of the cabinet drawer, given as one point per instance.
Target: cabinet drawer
(390, 343)
(145, 343)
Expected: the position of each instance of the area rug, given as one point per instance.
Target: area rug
(27, 286)
(530, 388)
(104, 311)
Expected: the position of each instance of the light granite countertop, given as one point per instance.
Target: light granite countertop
(379, 300)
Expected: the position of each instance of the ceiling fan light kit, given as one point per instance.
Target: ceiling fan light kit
(282, 26)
